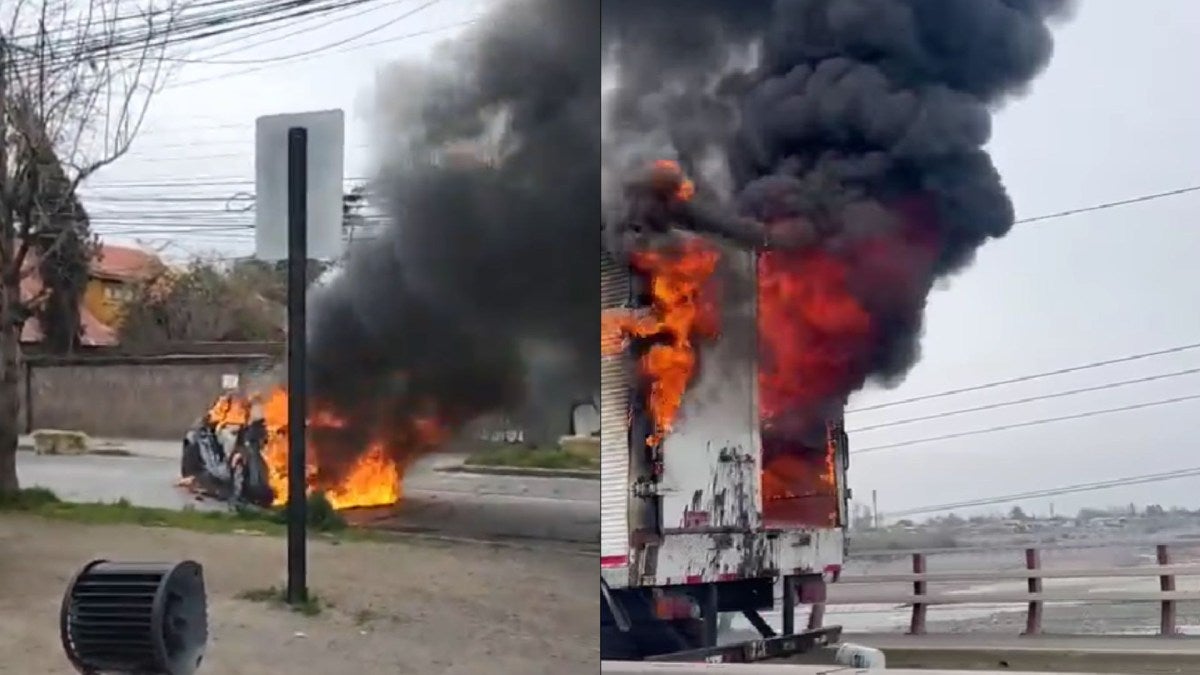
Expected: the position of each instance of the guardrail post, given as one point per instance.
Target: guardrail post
(1166, 582)
(1033, 616)
(917, 625)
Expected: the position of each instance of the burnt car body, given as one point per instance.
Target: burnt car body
(225, 461)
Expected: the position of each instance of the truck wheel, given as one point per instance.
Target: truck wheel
(617, 646)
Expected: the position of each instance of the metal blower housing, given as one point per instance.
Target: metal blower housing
(130, 617)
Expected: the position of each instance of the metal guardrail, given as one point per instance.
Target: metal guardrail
(1057, 543)
(1035, 597)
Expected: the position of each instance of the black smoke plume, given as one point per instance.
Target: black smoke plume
(853, 129)
(480, 296)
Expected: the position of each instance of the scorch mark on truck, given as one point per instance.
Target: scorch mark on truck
(728, 489)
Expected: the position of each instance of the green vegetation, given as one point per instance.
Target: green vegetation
(42, 502)
(311, 606)
(527, 457)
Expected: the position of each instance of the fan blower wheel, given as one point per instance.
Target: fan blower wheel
(128, 617)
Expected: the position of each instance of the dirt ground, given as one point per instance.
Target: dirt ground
(414, 606)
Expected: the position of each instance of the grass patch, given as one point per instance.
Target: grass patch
(312, 605)
(365, 616)
(39, 501)
(527, 457)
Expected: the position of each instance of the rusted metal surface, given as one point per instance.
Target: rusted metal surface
(699, 557)
(712, 458)
(1166, 583)
(917, 625)
(1033, 615)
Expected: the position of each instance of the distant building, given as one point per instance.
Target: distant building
(116, 272)
(114, 275)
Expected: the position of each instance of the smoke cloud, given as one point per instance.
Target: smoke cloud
(854, 130)
(480, 295)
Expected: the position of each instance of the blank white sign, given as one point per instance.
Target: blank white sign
(326, 162)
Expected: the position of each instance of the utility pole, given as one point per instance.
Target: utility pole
(299, 212)
(297, 283)
(874, 509)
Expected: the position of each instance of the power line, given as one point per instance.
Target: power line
(1028, 399)
(1060, 371)
(366, 45)
(315, 50)
(1053, 492)
(140, 16)
(180, 29)
(199, 181)
(1021, 425)
(245, 46)
(1110, 205)
(248, 154)
(1027, 378)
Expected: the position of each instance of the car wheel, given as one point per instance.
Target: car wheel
(190, 462)
(237, 480)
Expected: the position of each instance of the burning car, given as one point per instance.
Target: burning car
(238, 452)
(223, 454)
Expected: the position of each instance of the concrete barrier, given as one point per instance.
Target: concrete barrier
(59, 442)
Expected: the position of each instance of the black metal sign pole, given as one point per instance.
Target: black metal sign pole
(297, 285)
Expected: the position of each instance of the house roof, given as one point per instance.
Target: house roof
(119, 263)
(116, 263)
(95, 333)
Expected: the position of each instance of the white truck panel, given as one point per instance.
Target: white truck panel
(710, 492)
(614, 435)
(711, 470)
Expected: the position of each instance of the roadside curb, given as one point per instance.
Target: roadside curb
(584, 474)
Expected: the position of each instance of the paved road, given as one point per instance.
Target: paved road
(436, 502)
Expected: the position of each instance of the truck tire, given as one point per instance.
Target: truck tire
(617, 646)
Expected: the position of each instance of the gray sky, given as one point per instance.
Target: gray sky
(1115, 116)
(200, 129)
(1111, 118)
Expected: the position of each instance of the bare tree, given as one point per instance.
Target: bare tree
(76, 80)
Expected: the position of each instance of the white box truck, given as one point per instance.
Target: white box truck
(720, 514)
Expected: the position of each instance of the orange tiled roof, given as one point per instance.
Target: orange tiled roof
(124, 264)
(116, 263)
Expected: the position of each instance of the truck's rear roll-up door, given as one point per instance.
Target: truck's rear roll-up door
(614, 425)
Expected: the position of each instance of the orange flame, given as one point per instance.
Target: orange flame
(817, 340)
(230, 410)
(375, 477)
(670, 169)
(680, 312)
(813, 332)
